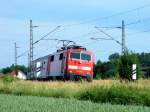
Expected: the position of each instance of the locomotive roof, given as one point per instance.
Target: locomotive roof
(49, 55)
(63, 49)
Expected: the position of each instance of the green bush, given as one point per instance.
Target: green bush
(8, 78)
(106, 70)
(116, 95)
(125, 66)
(98, 76)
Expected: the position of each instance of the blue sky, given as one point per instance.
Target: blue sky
(47, 14)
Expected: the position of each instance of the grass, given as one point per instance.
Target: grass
(101, 91)
(10, 103)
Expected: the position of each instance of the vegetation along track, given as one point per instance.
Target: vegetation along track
(102, 91)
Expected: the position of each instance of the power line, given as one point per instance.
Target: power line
(100, 38)
(145, 31)
(86, 34)
(107, 17)
(138, 21)
(110, 37)
(23, 54)
(47, 34)
(43, 37)
(117, 14)
(128, 24)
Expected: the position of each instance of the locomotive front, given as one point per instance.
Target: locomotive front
(80, 64)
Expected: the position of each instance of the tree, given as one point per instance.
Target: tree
(125, 66)
(114, 56)
(117, 65)
(6, 70)
(106, 70)
(13, 67)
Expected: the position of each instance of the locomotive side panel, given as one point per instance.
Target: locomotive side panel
(44, 67)
(40, 67)
(57, 65)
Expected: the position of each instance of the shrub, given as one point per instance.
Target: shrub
(98, 91)
(125, 66)
(118, 94)
(8, 78)
(98, 76)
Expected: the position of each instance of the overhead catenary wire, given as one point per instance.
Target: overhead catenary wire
(86, 34)
(139, 32)
(107, 17)
(46, 34)
(23, 54)
(101, 38)
(127, 24)
(138, 21)
(110, 37)
(110, 16)
(43, 37)
(121, 13)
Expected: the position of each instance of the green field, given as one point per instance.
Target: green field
(10, 103)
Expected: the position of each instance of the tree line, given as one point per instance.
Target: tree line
(119, 65)
(11, 68)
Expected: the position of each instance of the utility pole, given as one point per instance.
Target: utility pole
(28, 62)
(123, 37)
(122, 27)
(15, 54)
(31, 47)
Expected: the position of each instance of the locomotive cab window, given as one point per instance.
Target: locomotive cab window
(85, 57)
(44, 62)
(61, 56)
(52, 58)
(74, 55)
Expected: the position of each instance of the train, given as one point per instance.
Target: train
(68, 63)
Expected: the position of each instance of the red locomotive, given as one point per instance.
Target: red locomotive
(70, 63)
